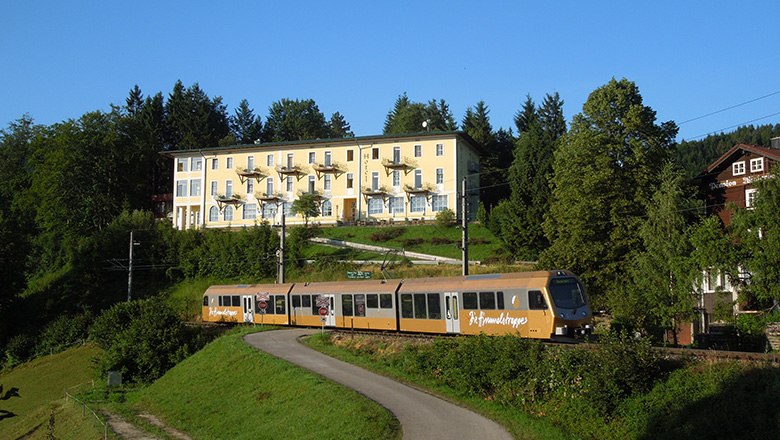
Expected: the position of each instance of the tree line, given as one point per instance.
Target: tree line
(597, 197)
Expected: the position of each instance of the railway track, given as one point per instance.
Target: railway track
(772, 359)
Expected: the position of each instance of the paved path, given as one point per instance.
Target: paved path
(422, 416)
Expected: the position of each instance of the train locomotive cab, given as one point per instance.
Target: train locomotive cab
(570, 306)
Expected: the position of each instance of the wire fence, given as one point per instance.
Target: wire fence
(85, 408)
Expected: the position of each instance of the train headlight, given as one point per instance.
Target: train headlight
(563, 315)
(561, 331)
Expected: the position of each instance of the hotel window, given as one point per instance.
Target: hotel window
(738, 168)
(418, 204)
(250, 186)
(250, 162)
(418, 151)
(375, 180)
(181, 188)
(289, 160)
(350, 181)
(396, 205)
(213, 187)
(228, 188)
(396, 178)
(312, 156)
(350, 155)
(250, 211)
(439, 203)
(195, 187)
(418, 179)
(327, 208)
(269, 160)
(440, 149)
(269, 210)
(327, 158)
(327, 184)
(756, 165)
(287, 209)
(375, 153)
(311, 184)
(269, 186)
(228, 213)
(439, 175)
(197, 163)
(215, 164)
(289, 184)
(213, 214)
(750, 197)
(396, 154)
(375, 205)
(181, 164)
(229, 163)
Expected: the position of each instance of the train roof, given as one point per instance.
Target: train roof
(249, 289)
(364, 286)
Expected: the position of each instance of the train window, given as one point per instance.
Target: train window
(386, 301)
(406, 306)
(346, 305)
(372, 301)
(470, 301)
(420, 310)
(434, 306)
(360, 304)
(306, 301)
(296, 301)
(536, 300)
(280, 304)
(487, 300)
(236, 301)
(205, 301)
(224, 301)
(500, 298)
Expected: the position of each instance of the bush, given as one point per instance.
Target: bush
(142, 339)
(387, 234)
(445, 217)
(19, 349)
(64, 332)
(441, 240)
(409, 242)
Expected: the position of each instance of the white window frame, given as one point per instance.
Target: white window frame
(396, 205)
(327, 183)
(439, 176)
(375, 206)
(350, 181)
(440, 149)
(738, 168)
(375, 153)
(439, 203)
(229, 163)
(227, 213)
(375, 180)
(213, 214)
(328, 161)
(326, 209)
(250, 186)
(312, 157)
(417, 179)
(181, 188)
(195, 187)
(181, 164)
(228, 188)
(396, 154)
(250, 162)
(215, 164)
(269, 186)
(269, 160)
(197, 164)
(396, 178)
(311, 187)
(214, 187)
(757, 165)
(249, 211)
(350, 155)
(289, 184)
(418, 150)
(750, 198)
(417, 204)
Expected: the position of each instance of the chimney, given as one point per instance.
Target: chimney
(775, 143)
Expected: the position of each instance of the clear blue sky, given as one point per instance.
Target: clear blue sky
(61, 59)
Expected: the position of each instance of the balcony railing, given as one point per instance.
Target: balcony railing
(234, 200)
(256, 173)
(295, 170)
(405, 164)
(334, 168)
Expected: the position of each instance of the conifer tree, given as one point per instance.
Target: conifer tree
(244, 125)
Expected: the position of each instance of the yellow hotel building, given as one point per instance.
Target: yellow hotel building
(383, 179)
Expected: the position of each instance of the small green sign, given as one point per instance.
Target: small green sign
(359, 275)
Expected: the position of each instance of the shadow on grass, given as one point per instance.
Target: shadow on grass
(746, 407)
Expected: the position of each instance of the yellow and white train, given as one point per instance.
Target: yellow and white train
(543, 305)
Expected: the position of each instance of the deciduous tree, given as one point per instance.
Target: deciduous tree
(295, 120)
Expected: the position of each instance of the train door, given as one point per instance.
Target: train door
(329, 301)
(452, 312)
(539, 315)
(249, 315)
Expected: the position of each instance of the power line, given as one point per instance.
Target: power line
(729, 108)
(734, 126)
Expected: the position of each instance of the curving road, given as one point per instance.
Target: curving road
(422, 416)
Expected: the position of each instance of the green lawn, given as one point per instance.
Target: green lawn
(230, 390)
(41, 384)
(427, 239)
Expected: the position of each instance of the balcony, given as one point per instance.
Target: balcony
(256, 173)
(269, 197)
(235, 200)
(294, 170)
(405, 164)
(336, 169)
(426, 190)
(383, 192)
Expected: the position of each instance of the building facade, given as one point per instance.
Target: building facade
(730, 181)
(382, 179)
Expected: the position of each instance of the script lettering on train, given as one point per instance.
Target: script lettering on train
(213, 311)
(504, 319)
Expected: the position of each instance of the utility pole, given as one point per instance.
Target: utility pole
(281, 266)
(465, 226)
(130, 270)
